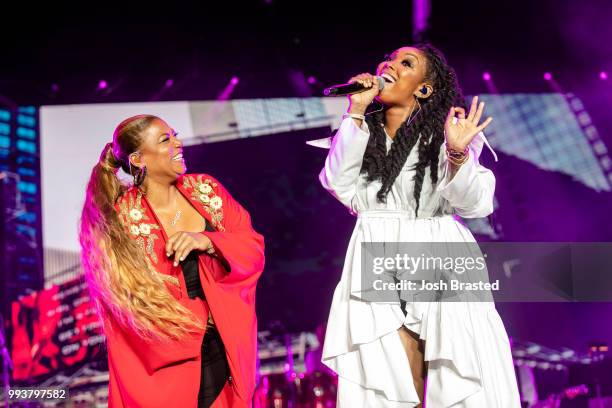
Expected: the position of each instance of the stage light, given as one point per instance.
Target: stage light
(603, 75)
(488, 79)
(102, 84)
(547, 76)
(312, 80)
(533, 349)
(568, 354)
(169, 82)
(55, 87)
(229, 88)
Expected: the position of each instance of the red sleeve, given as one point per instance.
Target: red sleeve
(239, 245)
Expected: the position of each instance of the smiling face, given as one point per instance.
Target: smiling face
(160, 151)
(404, 72)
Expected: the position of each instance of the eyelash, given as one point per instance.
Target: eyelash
(166, 139)
(405, 63)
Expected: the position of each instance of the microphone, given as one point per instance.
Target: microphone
(353, 88)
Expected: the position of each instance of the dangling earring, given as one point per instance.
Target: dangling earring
(139, 175)
(410, 117)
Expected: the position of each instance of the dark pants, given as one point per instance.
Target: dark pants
(215, 370)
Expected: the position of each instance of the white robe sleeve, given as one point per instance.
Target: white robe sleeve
(470, 191)
(343, 162)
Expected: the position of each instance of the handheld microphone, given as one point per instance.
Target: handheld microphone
(353, 88)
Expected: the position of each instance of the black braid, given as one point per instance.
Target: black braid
(428, 123)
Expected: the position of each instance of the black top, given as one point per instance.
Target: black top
(191, 273)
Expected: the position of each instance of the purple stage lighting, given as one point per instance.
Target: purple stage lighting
(603, 75)
(169, 83)
(229, 88)
(102, 84)
(547, 76)
(55, 87)
(312, 80)
(486, 76)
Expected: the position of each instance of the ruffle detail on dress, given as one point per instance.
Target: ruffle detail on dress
(448, 329)
(380, 365)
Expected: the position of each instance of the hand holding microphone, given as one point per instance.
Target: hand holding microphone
(361, 89)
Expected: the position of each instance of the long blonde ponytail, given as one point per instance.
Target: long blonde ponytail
(119, 277)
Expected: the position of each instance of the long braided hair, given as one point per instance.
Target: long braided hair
(427, 128)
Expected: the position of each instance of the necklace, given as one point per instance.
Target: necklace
(177, 217)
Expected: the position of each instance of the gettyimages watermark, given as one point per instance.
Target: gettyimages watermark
(480, 272)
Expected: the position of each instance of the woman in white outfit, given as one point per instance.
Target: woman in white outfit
(407, 172)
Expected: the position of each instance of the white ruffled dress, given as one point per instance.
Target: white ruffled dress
(466, 345)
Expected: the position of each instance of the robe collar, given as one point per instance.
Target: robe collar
(143, 225)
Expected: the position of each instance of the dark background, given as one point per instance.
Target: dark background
(136, 46)
(306, 229)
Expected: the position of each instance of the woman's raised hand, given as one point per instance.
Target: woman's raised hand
(460, 132)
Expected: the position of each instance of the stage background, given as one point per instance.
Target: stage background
(552, 185)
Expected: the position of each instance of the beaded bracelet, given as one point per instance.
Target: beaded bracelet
(458, 162)
(457, 158)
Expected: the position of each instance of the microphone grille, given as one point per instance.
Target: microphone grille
(381, 82)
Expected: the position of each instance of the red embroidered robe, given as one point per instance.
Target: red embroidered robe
(147, 374)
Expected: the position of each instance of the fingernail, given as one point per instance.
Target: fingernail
(176, 264)
(182, 258)
(167, 253)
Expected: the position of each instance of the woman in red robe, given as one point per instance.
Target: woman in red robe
(173, 263)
